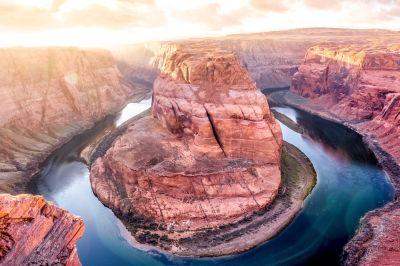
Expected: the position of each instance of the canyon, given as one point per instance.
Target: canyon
(35, 232)
(348, 76)
(205, 172)
(208, 157)
(358, 85)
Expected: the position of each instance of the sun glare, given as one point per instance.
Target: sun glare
(105, 23)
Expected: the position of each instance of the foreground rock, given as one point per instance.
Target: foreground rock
(35, 232)
(209, 157)
(378, 240)
(359, 86)
(49, 95)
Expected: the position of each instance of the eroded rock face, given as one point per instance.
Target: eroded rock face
(48, 96)
(209, 156)
(271, 58)
(385, 246)
(35, 232)
(378, 241)
(211, 97)
(359, 85)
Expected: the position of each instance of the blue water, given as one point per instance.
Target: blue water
(350, 183)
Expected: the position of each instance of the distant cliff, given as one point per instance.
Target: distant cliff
(48, 96)
(359, 84)
(271, 58)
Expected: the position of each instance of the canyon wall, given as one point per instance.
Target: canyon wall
(272, 58)
(208, 157)
(358, 84)
(35, 232)
(48, 96)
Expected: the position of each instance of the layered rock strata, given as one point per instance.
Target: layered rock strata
(35, 232)
(378, 240)
(272, 58)
(209, 156)
(359, 86)
(50, 95)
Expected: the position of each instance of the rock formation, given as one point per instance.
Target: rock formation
(209, 156)
(49, 95)
(378, 240)
(359, 85)
(35, 232)
(272, 58)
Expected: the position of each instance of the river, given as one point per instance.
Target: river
(349, 184)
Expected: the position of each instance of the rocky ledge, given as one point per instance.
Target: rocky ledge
(49, 95)
(378, 240)
(35, 232)
(208, 158)
(359, 86)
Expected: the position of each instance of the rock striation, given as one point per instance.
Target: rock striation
(271, 58)
(208, 157)
(35, 232)
(49, 95)
(378, 240)
(358, 84)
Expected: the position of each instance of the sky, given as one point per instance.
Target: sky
(105, 23)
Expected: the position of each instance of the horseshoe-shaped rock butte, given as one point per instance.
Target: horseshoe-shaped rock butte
(208, 156)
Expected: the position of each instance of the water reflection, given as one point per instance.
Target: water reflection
(335, 139)
(349, 184)
(131, 110)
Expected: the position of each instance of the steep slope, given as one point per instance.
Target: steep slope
(48, 96)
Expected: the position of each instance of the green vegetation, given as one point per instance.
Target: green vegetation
(297, 172)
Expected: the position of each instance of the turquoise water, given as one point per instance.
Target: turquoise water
(350, 183)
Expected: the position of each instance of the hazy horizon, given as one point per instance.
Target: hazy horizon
(105, 23)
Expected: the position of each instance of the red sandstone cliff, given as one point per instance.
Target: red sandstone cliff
(48, 96)
(35, 232)
(270, 57)
(209, 156)
(359, 85)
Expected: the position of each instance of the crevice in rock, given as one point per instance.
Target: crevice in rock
(386, 111)
(275, 138)
(214, 131)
